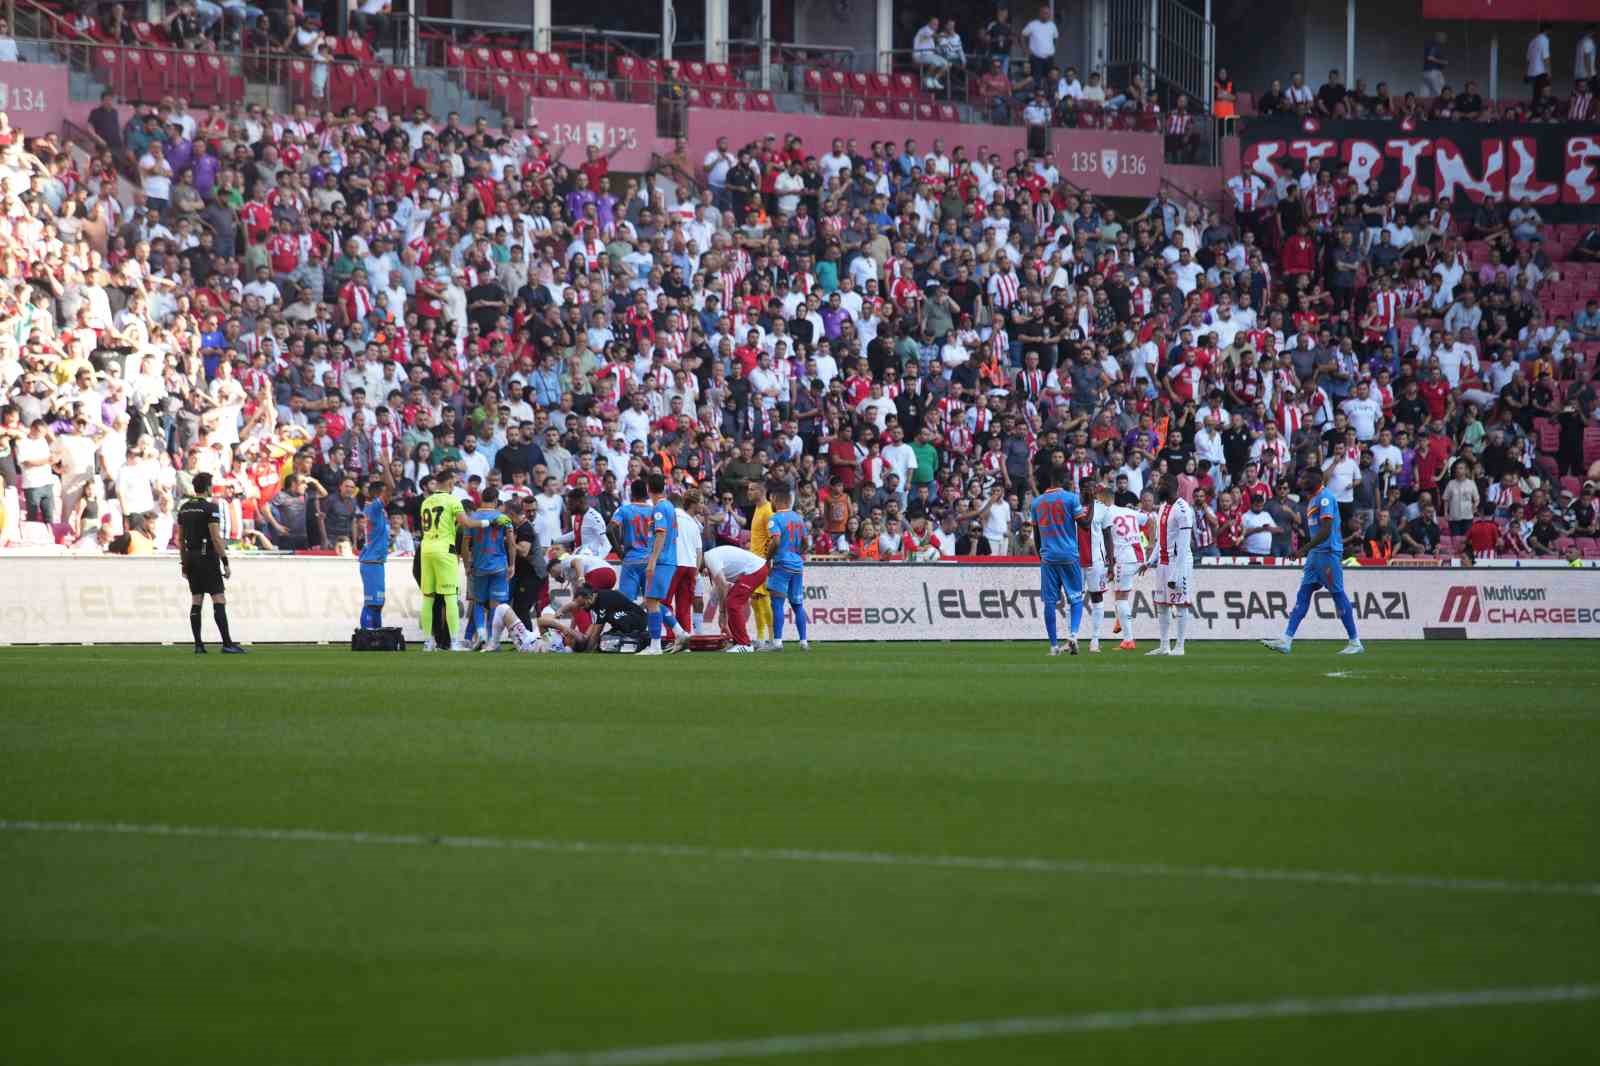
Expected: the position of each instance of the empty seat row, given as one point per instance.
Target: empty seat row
(142, 74)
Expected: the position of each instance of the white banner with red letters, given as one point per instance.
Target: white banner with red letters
(68, 599)
(942, 601)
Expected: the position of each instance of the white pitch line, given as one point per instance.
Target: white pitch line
(1000, 864)
(1009, 1028)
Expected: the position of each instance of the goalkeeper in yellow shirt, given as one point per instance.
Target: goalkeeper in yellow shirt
(442, 516)
(761, 600)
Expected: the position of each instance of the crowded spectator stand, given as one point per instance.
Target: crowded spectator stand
(305, 303)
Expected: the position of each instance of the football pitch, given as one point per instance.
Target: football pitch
(909, 854)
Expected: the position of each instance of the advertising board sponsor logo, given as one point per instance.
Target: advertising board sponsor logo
(1511, 605)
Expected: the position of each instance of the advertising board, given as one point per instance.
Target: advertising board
(63, 599)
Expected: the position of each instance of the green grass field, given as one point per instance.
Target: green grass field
(867, 854)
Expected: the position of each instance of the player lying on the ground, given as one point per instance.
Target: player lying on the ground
(600, 620)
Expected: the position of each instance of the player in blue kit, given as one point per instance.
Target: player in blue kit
(786, 551)
(661, 565)
(374, 553)
(489, 560)
(1056, 514)
(1324, 552)
(631, 523)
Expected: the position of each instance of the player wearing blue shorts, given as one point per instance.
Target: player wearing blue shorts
(1056, 514)
(786, 552)
(631, 524)
(490, 559)
(661, 565)
(1324, 553)
(374, 553)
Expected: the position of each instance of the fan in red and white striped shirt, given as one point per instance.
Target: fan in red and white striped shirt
(1003, 286)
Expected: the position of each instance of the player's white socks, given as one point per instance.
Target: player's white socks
(1165, 622)
(1183, 622)
(1125, 616)
(508, 624)
(1097, 612)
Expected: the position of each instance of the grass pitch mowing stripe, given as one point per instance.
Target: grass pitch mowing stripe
(801, 855)
(1009, 1028)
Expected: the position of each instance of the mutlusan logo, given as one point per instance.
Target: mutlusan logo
(1461, 605)
(1464, 603)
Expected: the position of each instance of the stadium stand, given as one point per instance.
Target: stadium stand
(301, 301)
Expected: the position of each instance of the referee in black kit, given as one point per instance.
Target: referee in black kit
(205, 562)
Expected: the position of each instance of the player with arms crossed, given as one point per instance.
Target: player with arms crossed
(374, 553)
(1056, 514)
(1118, 542)
(442, 516)
(735, 575)
(1174, 522)
(1323, 551)
(203, 555)
(786, 553)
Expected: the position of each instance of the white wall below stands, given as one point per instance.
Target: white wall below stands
(67, 599)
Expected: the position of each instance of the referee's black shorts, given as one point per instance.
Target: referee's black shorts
(205, 577)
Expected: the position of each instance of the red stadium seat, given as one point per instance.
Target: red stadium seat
(109, 64)
(509, 92)
(456, 61)
(834, 89)
(760, 101)
(903, 109)
(554, 64)
(480, 65)
(158, 75)
(150, 34)
(198, 80)
(948, 113)
(694, 72)
(369, 86)
(722, 74)
(715, 98)
(600, 89)
(813, 86)
(876, 109)
(549, 87)
(906, 85)
(342, 86)
(882, 85)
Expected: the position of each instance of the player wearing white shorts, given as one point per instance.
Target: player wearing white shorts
(1092, 549)
(1174, 531)
(1117, 535)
